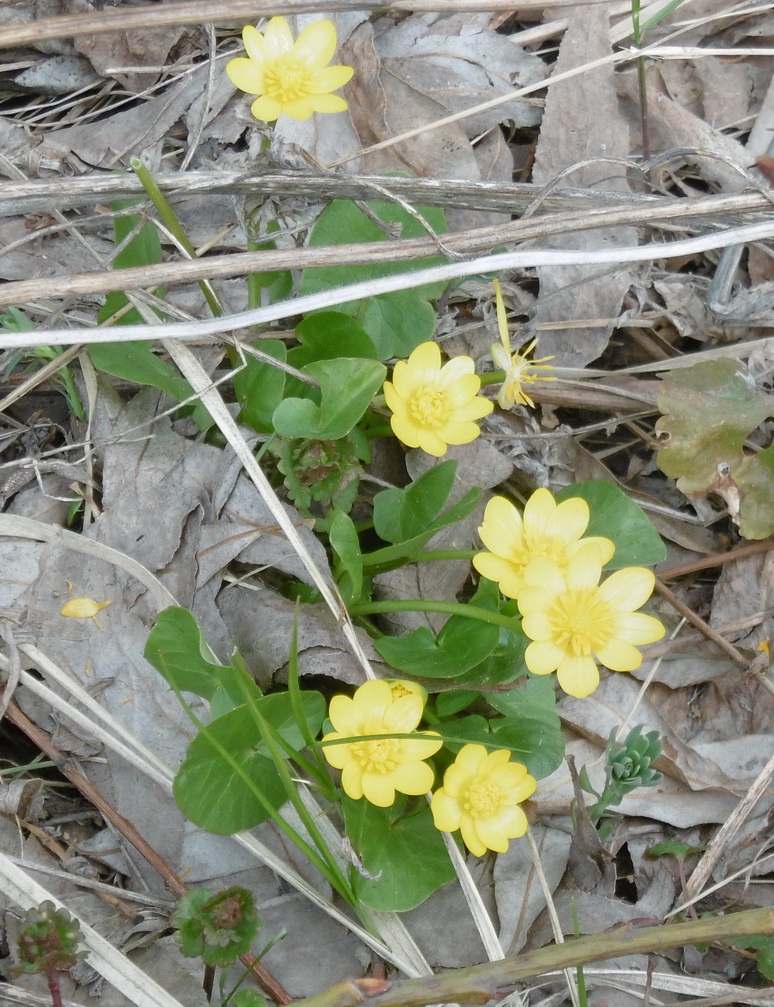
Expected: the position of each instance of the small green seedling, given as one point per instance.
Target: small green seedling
(627, 767)
(48, 945)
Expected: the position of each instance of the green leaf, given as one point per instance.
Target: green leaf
(449, 703)
(461, 645)
(397, 322)
(328, 335)
(138, 363)
(216, 794)
(259, 387)
(346, 544)
(347, 386)
(143, 250)
(177, 649)
(616, 516)
(400, 514)
(531, 726)
(672, 848)
(386, 844)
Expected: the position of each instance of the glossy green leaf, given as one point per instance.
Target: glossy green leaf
(177, 649)
(461, 644)
(400, 514)
(346, 544)
(259, 387)
(328, 335)
(213, 785)
(616, 516)
(397, 322)
(347, 387)
(405, 856)
(531, 726)
(137, 362)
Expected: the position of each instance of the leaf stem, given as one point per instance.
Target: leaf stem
(444, 607)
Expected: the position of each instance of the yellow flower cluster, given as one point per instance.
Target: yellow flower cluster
(435, 405)
(542, 560)
(378, 750)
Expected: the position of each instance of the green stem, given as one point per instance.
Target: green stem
(173, 225)
(423, 556)
(479, 984)
(280, 764)
(444, 607)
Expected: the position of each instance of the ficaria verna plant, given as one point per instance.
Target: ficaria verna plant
(388, 759)
(290, 78)
(480, 796)
(546, 529)
(574, 621)
(435, 405)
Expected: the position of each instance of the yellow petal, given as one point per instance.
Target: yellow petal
(254, 44)
(327, 103)
(373, 698)
(629, 588)
(571, 518)
(471, 838)
(345, 716)
(605, 547)
(636, 627)
(578, 676)
(316, 45)
(413, 778)
(539, 511)
(331, 78)
(300, 110)
(82, 608)
(352, 780)
(336, 755)
(584, 569)
(543, 657)
(426, 356)
(245, 75)
(407, 432)
(404, 714)
(458, 433)
(490, 832)
(619, 656)
(446, 811)
(457, 369)
(430, 442)
(502, 528)
(501, 571)
(266, 109)
(278, 38)
(378, 789)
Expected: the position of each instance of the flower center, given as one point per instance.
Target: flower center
(428, 407)
(483, 799)
(286, 80)
(581, 622)
(377, 756)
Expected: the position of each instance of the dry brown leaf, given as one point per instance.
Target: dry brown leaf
(582, 121)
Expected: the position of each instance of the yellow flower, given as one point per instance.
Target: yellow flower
(518, 370)
(480, 796)
(290, 78)
(573, 619)
(433, 405)
(547, 529)
(376, 769)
